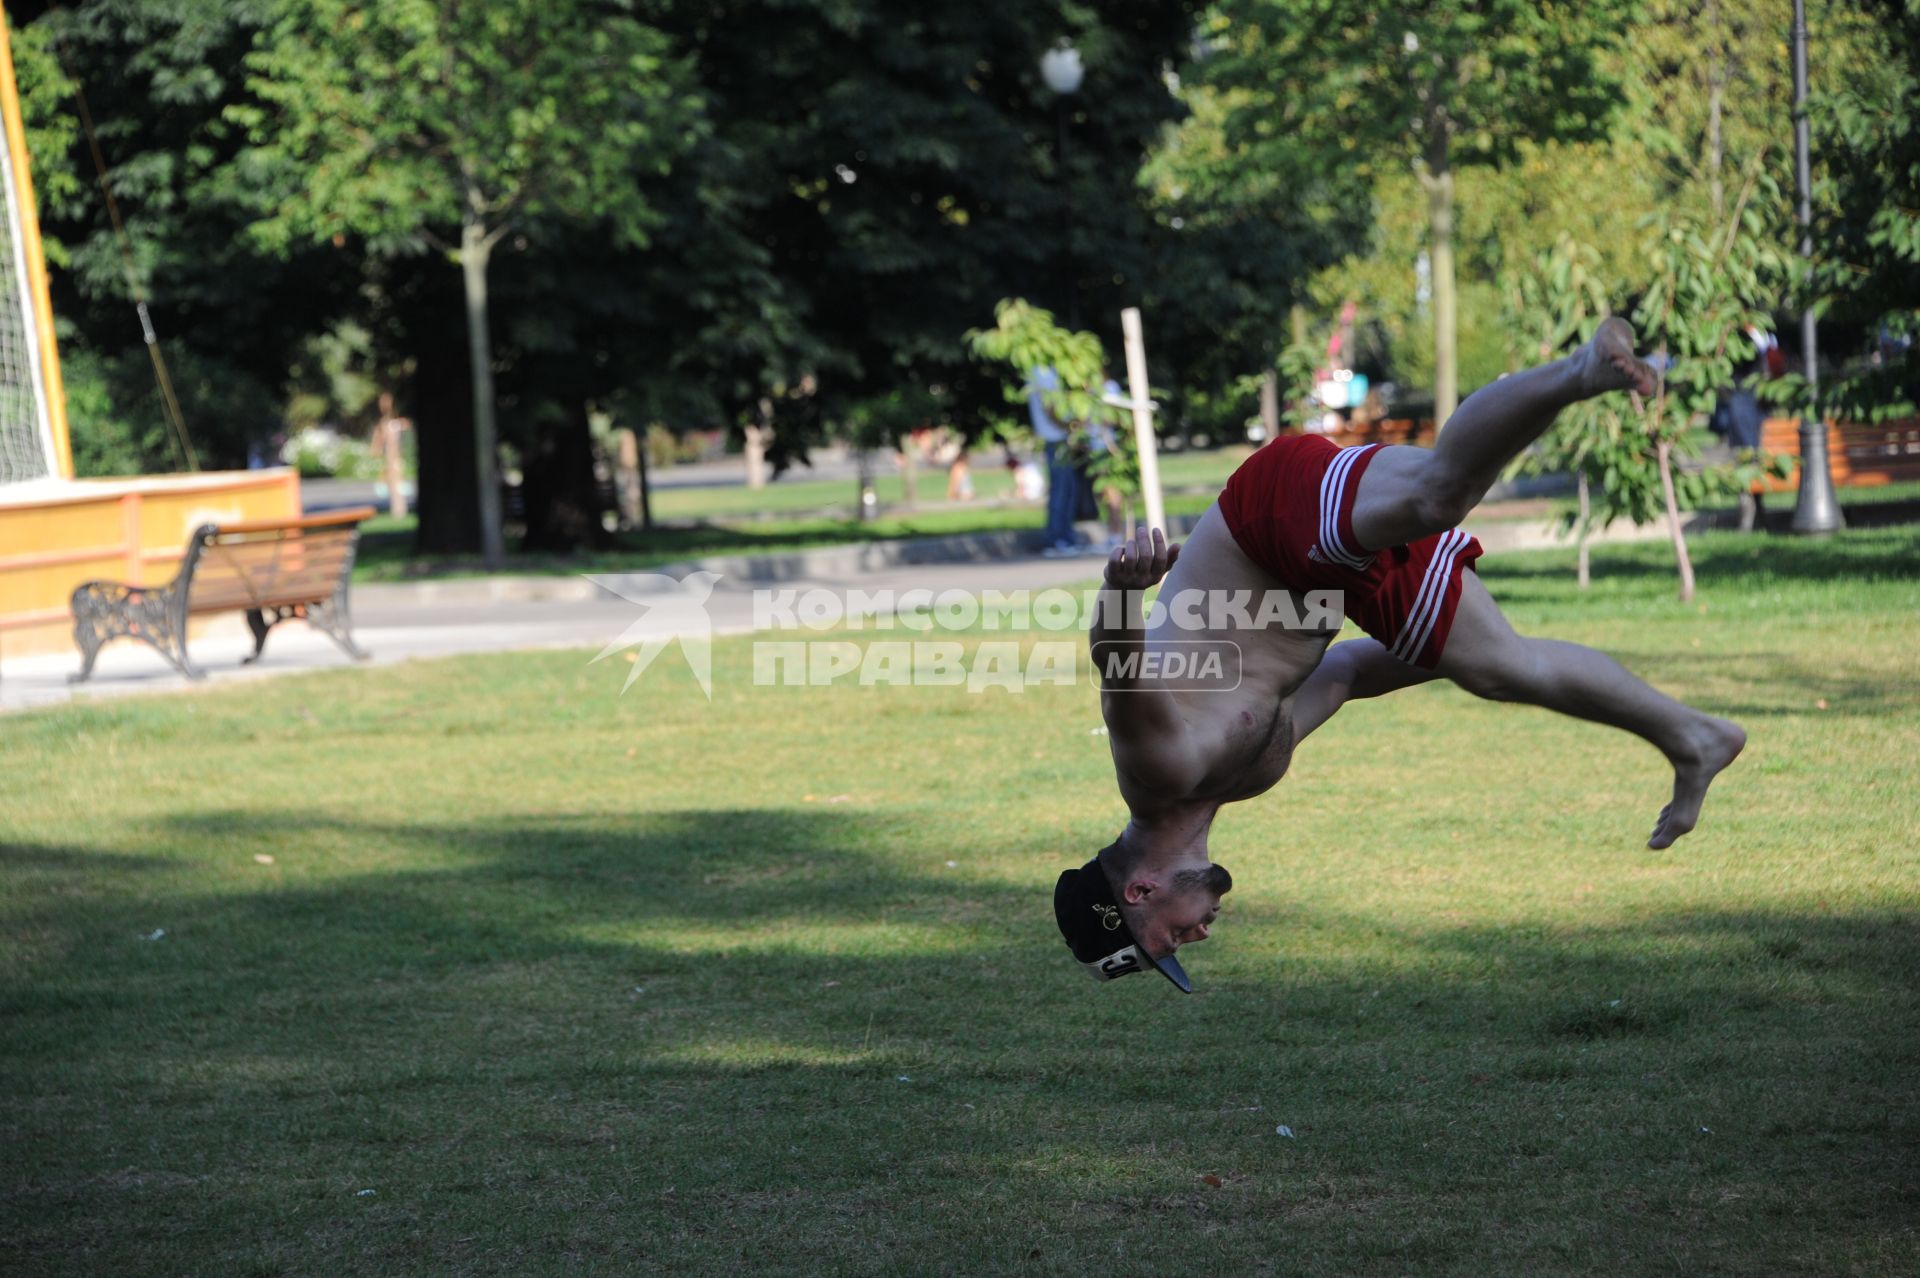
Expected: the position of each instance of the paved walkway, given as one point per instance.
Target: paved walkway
(448, 618)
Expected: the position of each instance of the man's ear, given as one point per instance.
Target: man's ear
(1137, 890)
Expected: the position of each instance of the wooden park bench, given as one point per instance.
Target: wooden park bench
(1388, 430)
(272, 570)
(1859, 455)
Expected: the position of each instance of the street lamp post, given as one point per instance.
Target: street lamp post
(1817, 511)
(1061, 68)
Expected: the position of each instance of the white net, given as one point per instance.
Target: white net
(26, 435)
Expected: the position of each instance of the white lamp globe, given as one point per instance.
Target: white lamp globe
(1062, 70)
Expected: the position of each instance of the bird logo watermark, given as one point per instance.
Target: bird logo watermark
(669, 610)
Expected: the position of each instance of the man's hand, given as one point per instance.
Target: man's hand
(1141, 563)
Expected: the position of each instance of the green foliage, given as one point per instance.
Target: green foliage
(337, 379)
(884, 420)
(1297, 366)
(106, 440)
(45, 88)
(1707, 283)
(1551, 305)
(1704, 285)
(1867, 144)
(1025, 338)
(400, 120)
(1378, 87)
(1239, 241)
(1425, 89)
(158, 79)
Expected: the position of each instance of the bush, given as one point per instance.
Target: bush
(321, 452)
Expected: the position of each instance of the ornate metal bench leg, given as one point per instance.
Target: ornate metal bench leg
(169, 639)
(99, 614)
(258, 623)
(106, 610)
(89, 641)
(332, 619)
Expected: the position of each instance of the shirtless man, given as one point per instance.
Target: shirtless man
(1376, 524)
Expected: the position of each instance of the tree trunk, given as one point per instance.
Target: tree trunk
(1270, 403)
(448, 494)
(630, 477)
(1438, 179)
(1716, 93)
(646, 490)
(558, 486)
(393, 465)
(759, 435)
(1665, 454)
(866, 505)
(474, 252)
(909, 475)
(1586, 513)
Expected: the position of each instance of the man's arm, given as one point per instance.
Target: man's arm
(1350, 671)
(1132, 706)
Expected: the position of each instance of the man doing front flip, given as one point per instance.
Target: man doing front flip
(1376, 524)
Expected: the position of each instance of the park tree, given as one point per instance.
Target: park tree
(1551, 303)
(1867, 156)
(229, 319)
(1703, 284)
(885, 171)
(1685, 57)
(1237, 244)
(1434, 87)
(416, 125)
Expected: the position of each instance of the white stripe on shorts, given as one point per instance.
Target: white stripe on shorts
(1433, 594)
(1332, 484)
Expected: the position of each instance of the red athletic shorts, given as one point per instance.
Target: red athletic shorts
(1290, 506)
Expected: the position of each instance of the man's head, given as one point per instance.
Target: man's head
(1164, 908)
(1121, 915)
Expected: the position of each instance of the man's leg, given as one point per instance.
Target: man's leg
(1351, 671)
(1485, 656)
(1062, 494)
(1409, 493)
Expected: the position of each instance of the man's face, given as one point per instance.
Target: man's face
(1167, 920)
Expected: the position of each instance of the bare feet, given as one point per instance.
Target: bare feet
(1716, 743)
(1607, 363)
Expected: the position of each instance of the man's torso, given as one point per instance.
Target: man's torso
(1237, 740)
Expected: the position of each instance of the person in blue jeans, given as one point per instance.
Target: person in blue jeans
(1063, 482)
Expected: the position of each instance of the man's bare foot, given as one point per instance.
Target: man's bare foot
(1607, 363)
(1716, 743)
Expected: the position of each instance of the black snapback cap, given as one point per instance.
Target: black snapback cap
(1098, 935)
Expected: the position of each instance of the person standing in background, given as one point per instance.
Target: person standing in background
(386, 444)
(1063, 482)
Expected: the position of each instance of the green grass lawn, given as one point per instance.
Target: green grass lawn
(476, 966)
(796, 492)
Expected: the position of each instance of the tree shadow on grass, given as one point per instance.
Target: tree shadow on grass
(747, 1038)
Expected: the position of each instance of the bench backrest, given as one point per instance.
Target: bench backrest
(1389, 430)
(270, 563)
(1861, 454)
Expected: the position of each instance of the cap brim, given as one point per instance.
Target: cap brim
(1171, 969)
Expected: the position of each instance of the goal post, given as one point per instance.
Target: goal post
(34, 443)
